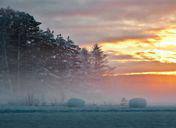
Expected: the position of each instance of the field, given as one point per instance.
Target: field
(165, 118)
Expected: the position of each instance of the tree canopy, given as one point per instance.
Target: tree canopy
(28, 53)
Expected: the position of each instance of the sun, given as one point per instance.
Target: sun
(167, 37)
(169, 41)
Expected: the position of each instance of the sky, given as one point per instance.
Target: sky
(139, 36)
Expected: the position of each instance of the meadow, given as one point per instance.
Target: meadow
(76, 118)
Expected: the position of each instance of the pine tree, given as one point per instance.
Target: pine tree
(85, 61)
(73, 52)
(99, 60)
(31, 56)
(19, 31)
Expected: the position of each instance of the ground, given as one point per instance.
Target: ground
(157, 119)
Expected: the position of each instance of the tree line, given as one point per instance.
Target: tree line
(28, 53)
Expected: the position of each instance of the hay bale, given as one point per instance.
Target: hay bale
(75, 102)
(138, 103)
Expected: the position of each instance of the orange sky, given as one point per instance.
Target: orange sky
(146, 67)
(157, 89)
(155, 54)
(157, 49)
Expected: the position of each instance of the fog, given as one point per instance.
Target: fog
(107, 90)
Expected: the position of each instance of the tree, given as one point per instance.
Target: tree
(73, 52)
(99, 60)
(85, 61)
(18, 31)
(31, 56)
(19, 25)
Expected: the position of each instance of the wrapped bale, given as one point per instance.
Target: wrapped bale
(74, 102)
(138, 103)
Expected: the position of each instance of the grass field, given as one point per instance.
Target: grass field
(158, 119)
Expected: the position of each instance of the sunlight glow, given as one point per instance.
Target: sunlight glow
(168, 37)
(161, 49)
(143, 73)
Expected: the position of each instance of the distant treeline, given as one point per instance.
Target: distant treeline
(28, 53)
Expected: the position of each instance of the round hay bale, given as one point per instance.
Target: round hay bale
(138, 103)
(75, 102)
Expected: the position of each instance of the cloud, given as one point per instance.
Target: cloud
(144, 66)
(122, 57)
(132, 36)
(96, 20)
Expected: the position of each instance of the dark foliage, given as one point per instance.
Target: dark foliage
(28, 53)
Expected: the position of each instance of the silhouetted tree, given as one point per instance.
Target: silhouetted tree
(85, 61)
(98, 60)
(18, 31)
(30, 56)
